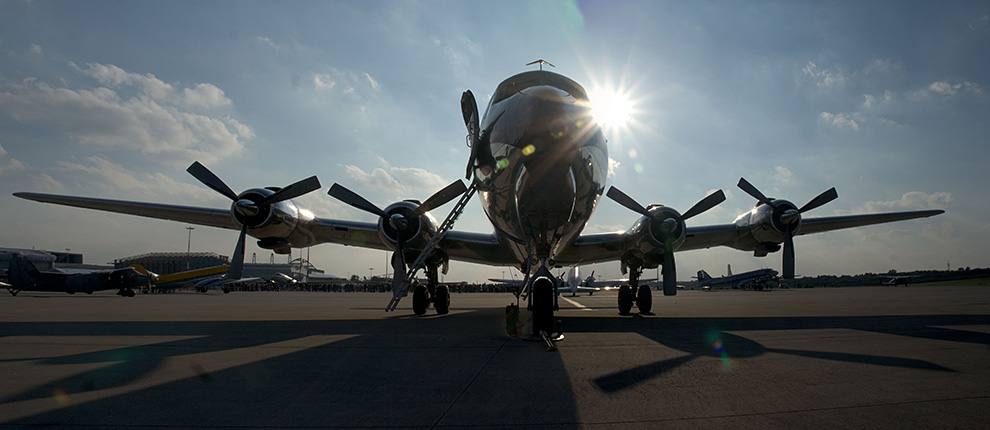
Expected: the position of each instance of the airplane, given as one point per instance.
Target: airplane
(755, 279)
(538, 163)
(572, 283)
(23, 275)
(895, 280)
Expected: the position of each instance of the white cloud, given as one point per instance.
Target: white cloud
(157, 121)
(912, 200)
(396, 182)
(948, 89)
(612, 165)
(268, 42)
(374, 84)
(783, 175)
(105, 177)
(823, 77)
(11, 165)
(840, 120)
(323, 81)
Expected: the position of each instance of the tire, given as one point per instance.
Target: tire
(542, 306)
(644, 299)
(625, 299)
(421, 300)
(442, 300)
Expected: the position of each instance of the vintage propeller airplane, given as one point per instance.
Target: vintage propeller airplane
(538, 161)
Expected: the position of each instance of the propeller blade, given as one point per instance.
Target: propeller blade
(751, 190)
(788, 265)
(236, 270)
(669, 271)
(705, 204)
(822, 198)
(469, 109)
(443, 196)
(624, 200)
(398, 268)
(207, 177)
(297, 189)
(347, 196)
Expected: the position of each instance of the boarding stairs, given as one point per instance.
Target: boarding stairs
(448, 223)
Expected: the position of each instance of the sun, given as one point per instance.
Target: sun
(611, 108)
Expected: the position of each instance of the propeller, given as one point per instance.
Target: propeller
(469, 109)
(669, 225)
(247, 207)
(399, 221)
(790, 218)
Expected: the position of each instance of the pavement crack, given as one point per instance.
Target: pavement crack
(469, 384)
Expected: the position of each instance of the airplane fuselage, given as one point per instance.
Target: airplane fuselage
(542, 163)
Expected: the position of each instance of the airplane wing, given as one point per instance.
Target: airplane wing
(603, 247)
(463, 246)
(187, 214)
(818, 225)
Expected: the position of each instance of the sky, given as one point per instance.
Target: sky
(889, 102)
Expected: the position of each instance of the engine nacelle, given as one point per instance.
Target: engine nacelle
(276, 225)
(767, 226)
(416, 231)
(652, 232)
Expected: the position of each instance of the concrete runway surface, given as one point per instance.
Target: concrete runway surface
(904, 357)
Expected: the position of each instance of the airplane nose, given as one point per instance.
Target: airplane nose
(545, 200)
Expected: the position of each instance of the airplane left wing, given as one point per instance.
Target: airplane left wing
(187, 214)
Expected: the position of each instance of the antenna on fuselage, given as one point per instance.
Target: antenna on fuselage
(541, 62)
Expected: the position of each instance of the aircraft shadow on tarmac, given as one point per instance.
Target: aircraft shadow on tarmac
(709, 337)
(414, 375)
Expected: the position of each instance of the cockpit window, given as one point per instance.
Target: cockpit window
(535, 78)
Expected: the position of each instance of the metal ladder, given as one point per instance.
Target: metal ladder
(441, 232)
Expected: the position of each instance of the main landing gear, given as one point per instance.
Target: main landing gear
(643, 296)
(432, 292)
(124, 292)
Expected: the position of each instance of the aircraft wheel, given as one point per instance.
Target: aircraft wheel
(420, 300)
(542, 306)
(625, 299)
(644, 299)
(13, 293)
(226, 290)
(442, 300)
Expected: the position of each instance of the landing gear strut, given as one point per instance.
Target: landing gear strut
(640, 294)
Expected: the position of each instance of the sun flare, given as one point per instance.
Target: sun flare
(610, 108)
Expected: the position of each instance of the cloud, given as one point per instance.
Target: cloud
(612, 165)
(823, 78)
(911, 201)
(105, 177)
(323, 81)
(948, 90)
(840, 120)
(396, 182)
(374, 84)
(158, 120)
(268, 42)
(202, 96)
(783, 175)
(9, 165)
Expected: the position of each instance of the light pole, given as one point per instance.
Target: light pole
(369, 272)
(189, 246)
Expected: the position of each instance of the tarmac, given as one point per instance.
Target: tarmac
(868, 357)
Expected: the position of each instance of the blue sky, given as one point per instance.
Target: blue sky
(886, 101)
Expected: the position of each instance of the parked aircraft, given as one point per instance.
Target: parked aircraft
(23, 275)
(755, 280)
(539, 160)
(895, 280)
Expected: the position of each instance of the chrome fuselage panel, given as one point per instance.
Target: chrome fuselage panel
(543, 163)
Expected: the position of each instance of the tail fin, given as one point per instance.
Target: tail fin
(728, 270)
(22, 272)
(703, 276)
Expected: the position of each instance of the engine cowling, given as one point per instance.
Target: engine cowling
(768, 225)
(271, 220)
(415, 231)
